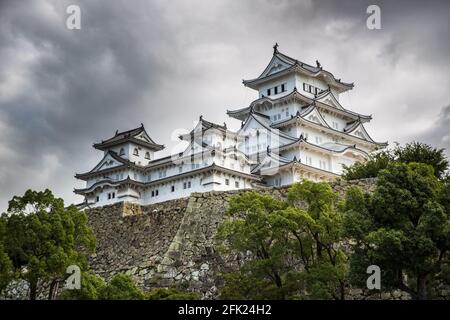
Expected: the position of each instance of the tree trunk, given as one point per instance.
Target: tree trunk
(53, 289)
(422, 287)
(33, 290)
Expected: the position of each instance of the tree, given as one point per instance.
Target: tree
(171, 294)
(121, 287)
(256, 228)
(92, 287)
(370, 168)
(294, 246)
(44, 238)
(5, 269)
(423, 153)
(317, 231)
(411, 152)
(404, 228)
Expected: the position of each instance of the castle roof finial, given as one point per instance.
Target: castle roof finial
(318, 64)
(200, 118)
(275, 48)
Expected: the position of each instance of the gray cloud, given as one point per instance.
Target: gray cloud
(166, 62)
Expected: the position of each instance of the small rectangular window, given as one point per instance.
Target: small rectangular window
(153, 193)
(227, 182)
(283, 88)
(275, 90)
(268, 92)
(156, 192)
(189, 185)
(184, 185)
(109, 196)
(172, 188)
(236, 184)
(97, 199)
(113, 195)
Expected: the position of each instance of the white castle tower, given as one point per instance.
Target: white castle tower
(295, 130)
(299, 104)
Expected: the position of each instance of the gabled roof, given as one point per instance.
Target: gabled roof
(332, 147)
(204, 125)
(124, 163)
(242, 113)
(128, 180)
(281, 64)
(352, 127)
(137, 135)
(284, 163)
(265, 124)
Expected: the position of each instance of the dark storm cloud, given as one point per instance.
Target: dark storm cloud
(166, 62)
(439, 134)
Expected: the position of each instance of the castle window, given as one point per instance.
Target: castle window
(275, 90)
(283, 88)
(172, 188)
(136, 152)
(156, 192)
(184, 185)
(109, 196)
(268, 92)
(147, 155)
(189, 184)
(122, 152)
(97, 199)
(227, 182)
(153, 193)
(113, 195)
(236, 184)
(180, 169)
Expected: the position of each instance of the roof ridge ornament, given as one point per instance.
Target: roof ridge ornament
(275, 48)
(295, 89)
(318, 65)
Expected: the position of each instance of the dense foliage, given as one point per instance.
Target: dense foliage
(288, 249)
(411, 152)
(403, 227)
(294, 249)
(42, 238)
(121, 287)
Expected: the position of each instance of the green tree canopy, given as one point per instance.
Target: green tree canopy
(290, 249)
(403, 227)
(43, 238)
(411, 152)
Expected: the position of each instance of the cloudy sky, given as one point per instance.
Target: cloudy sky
(164, 63)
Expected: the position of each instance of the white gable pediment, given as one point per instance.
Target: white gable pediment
(316, 117)
(360, 132)
(331, 100)
(275, 65)
(106, 163)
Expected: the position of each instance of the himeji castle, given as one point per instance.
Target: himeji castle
(297, 129)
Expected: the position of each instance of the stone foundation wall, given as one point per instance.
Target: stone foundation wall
(171, 243)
